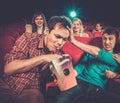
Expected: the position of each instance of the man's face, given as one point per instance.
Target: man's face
(109, 42)
(55, 39)
(98, 27)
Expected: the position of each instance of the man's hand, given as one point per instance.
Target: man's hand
(111, 75)
(117, 57)
(75, 73)
(51, 57)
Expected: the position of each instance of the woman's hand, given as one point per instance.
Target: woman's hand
(72, 39)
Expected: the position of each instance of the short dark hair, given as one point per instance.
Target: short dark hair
(111, 30)
(117, 47)
(63, 20)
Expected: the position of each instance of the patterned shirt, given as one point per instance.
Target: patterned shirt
(27, 46)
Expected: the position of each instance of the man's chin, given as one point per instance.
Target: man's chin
(53, 50)
(109, 50)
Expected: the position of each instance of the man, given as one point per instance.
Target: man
(90, 71)
(29, 57)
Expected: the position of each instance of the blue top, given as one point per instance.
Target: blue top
(92, 69)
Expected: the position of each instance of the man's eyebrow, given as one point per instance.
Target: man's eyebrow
(58, 35)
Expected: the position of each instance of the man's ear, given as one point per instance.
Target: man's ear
(46, 31)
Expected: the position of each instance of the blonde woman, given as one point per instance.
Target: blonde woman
(78, 28)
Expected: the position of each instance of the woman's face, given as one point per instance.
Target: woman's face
(39, 21)
(76, 26)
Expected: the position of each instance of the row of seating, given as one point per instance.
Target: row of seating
(7, 41)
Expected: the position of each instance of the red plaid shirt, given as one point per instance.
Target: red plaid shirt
(27, 46)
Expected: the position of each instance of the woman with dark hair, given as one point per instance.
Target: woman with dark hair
(38, 22)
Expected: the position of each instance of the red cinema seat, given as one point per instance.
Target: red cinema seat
(73, 51)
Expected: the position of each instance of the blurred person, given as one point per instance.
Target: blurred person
(98, 30)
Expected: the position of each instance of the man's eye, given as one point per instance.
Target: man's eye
(65, 39)
(58, 37)
(110, 38)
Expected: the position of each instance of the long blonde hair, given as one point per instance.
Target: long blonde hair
(79, 20)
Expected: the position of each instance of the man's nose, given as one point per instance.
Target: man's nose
(107, 41)
(60, 42)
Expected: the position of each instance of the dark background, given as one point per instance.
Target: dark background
(107, 11)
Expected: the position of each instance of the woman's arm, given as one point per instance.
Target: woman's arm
(93, 50)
